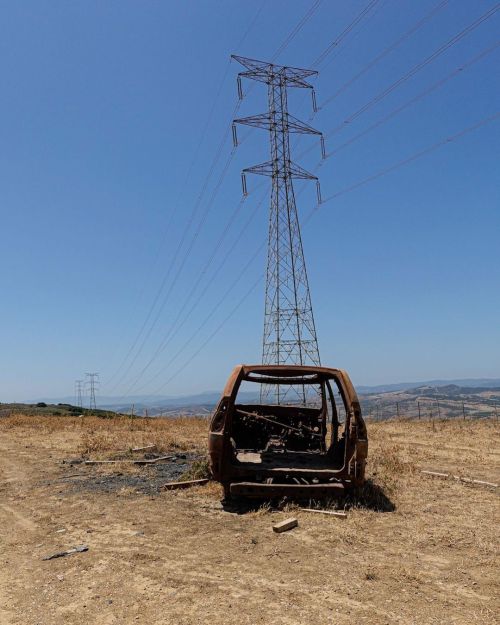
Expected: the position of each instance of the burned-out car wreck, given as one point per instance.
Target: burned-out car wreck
(293, 431)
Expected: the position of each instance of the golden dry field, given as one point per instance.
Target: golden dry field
(412, 550)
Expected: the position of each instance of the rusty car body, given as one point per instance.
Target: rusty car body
(312, 446)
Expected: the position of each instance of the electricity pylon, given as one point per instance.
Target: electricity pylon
(289, 329)
(92, 381)
(79, 393)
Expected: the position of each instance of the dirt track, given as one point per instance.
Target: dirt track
(178, 558)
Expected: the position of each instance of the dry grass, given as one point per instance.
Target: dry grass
(98, 437)
(179, 558)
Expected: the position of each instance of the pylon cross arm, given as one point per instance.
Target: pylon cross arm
(258, 121)
(298, 126)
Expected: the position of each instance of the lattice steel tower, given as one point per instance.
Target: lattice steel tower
(92, 379)
(289, 330)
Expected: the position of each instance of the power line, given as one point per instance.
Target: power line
(347, 30)
(406, 161)
(282, 47)
(181, 316)
(386, 51)
(358, 31)
(344, 191)
(302, 22)
(343, 35)
(182, 189)
(215, 332)
(183, 261)
(458, 71)
(220, 302)
(180, 244)
(385, 92)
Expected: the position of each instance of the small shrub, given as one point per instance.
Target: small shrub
(199, 470)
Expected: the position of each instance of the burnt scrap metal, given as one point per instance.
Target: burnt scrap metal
(307, 449)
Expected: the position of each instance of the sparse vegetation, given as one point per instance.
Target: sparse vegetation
(429, 558)
(199, 470)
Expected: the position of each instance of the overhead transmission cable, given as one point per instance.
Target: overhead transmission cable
(358, 31)
(178, 272)
(451, 42)
(180, 243)
(432, 57)
(483, 122)
(205, 289)
(429, 59)
(432, 13)
(181, 316)
(437, 85)
(187, 177)
(347, 30)
(281, 48)
(340, 39)
(215, 332)
(184, 317)
(302, 22)
(405, 161)
(258, 251)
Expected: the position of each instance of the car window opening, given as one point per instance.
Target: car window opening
(289, 419)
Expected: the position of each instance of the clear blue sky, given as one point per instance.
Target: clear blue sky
(102, 110)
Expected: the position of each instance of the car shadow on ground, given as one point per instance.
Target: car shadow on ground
(370, 496)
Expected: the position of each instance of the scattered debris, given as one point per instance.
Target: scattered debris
(459, 478)
(337, 513)
(154, 460)
(68, 552)
(139, 462)
(185, 484)
(144, 448)
(436, 473)
(148, 480)
(285, 525)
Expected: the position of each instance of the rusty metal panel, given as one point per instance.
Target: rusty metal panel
(296, 450)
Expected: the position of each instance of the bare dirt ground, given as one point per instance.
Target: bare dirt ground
(178, 558)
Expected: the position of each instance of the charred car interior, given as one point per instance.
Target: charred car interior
(288, 431)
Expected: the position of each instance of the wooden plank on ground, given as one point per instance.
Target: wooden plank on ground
(108, 461)
(154, 460)
(436, 473)
(146, 448)
(285, 525)
(337, 513)
(460, 478)
(185, 484)
(139, 462)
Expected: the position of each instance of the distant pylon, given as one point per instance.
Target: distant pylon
(79, 393)
(289, 329)
(92, 382)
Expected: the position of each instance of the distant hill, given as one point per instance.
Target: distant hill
(403, 386)
(41, 408)
(203, 403)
